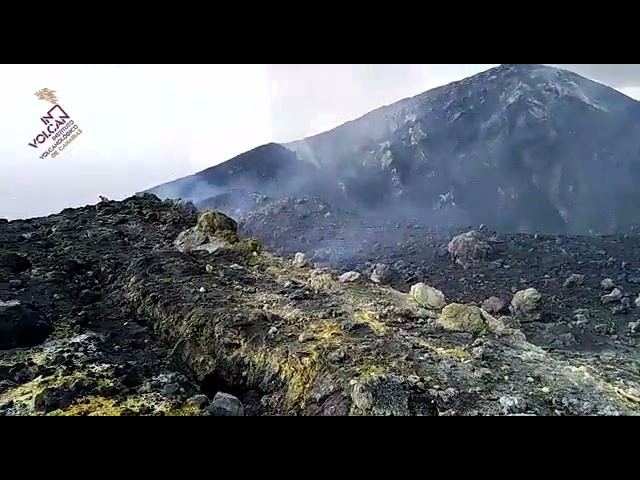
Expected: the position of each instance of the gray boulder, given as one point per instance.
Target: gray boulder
(225, 405)
(428, 297)
(469, 248)
(525, 305)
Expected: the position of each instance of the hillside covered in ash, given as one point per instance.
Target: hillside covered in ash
(146, 307)
(519, 148)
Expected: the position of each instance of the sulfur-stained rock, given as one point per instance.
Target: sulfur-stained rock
(462, 318)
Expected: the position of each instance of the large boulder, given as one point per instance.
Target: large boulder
(15, 263)
(213, 231)
(381, 273)
(21, 326)
(194, 240)
(457, 317)
(300, 260)
(469, 248)
(213, 222)
(426, 296)
(525, 305)
(225, 405)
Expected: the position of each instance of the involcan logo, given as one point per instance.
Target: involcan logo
(59, 129)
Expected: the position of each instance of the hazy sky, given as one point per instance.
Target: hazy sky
(146, 124)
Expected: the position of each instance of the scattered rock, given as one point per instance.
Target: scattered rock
(320, 279)
(580, 319)
(493, 305)
(427, 297)
(198, 401)
(349, 277)
(574, 280)
(170, 389)
(637, 301)
(53, 398)
(225, 405)
(607, 284)
(87, 297)
(525, 304)
(619, 309)
(337, 355)
(361, 396)
(510, 322)
(512, 404)
(612, 297)
(381, 273)
(565, 340)
(300, 260)
(306, 336)
(469, 248)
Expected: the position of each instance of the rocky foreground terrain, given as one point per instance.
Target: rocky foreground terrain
(147, 307)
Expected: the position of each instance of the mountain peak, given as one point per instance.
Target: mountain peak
(519, 147)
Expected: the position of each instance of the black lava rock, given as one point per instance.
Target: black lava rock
(15, 263)
(21, 326)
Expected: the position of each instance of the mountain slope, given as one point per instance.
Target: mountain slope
(518, 147)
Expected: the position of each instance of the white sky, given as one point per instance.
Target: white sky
(147, 124)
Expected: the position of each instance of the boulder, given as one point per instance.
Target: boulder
(21, 326)
(574, 280)
(525, 305)
(469, 248)
(199, 402)
(607, 284)
(349, 277)
(15, 263)
(428, 297)
(300, 260)
(225, 405)
(381, 273)
(193, 240)
(457, 317)
(614, 296)
(493, 305)
(213, 222)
